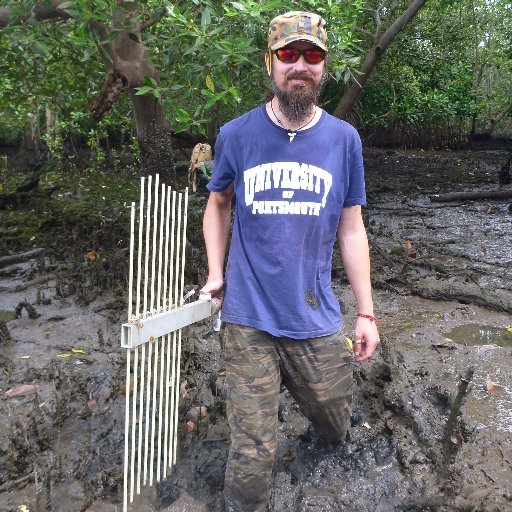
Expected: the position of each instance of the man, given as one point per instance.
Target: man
(297, 175)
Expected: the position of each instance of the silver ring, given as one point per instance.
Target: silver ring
(358, 342)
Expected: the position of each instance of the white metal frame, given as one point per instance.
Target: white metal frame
(152, 334)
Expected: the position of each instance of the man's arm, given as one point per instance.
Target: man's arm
(353, 245)
(216, 225)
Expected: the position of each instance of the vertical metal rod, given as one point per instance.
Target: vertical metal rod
(154, 385)
(144, 315)
(135, 365)
(159, 305)
(178, 253)
(128, 364)
(126, 431)
(173, 398)
(139, 255)
(154, 299)
(183, 244)
(143, 349)
(182, 283)
(127, 383)
(141, 422)
(130, 272)
(171, 305)
(153, 247)
(167, 378)
(165, 303)
(146, 406)
(161, 339)
(146, 255)
(179, 300)
(134, 420)
(173, 238)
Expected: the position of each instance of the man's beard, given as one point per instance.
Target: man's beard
(297, 103)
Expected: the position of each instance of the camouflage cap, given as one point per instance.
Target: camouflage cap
(297, 26)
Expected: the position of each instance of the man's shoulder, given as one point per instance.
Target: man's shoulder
(340, 125)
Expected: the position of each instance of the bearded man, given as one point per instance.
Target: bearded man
(297, 175)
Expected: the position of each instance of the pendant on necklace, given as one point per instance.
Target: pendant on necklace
(292, 135)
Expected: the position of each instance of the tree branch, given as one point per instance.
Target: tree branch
(400, 23)
(153, 19)
(378, 23)
(365, 32)
(114, 85)
(40, 12)
(391, 12)
(374, 55)
(497, 118)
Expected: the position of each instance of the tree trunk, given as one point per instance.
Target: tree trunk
(497, 118)
(130, 66)
(380, 45)
(156, 155)
(127, 64)
(472, 196)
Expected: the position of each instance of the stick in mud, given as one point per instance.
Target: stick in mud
(448, 445)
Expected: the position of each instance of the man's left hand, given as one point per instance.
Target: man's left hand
(366, 339)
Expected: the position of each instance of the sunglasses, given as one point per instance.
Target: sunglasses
(291, 55)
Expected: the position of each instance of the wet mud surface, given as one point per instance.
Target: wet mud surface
(432, 420)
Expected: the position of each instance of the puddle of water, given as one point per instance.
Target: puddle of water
(6, 315)
(475, 334)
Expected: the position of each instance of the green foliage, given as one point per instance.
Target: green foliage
(428, 82)
(209, 54)
(451, 67)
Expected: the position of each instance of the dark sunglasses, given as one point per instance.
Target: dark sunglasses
(291, 55)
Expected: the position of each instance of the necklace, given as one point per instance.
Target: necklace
(292, 133)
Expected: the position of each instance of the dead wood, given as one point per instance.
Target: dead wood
(12, 259)
(472, 196)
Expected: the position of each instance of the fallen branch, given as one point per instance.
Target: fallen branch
(24, 480)
(472, 196)
(20, 257)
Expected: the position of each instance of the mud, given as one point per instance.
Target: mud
(432, 421)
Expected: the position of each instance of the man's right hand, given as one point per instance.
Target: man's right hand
(213, 286)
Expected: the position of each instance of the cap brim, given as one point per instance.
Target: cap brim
(299, 37)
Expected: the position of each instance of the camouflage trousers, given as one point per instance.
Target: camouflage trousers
(318, 374)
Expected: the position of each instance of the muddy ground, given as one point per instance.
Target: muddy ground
(432, 421)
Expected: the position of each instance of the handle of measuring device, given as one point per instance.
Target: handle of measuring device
(218, 307)
(143, 330)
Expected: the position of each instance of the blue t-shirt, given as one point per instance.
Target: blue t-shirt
(289, 198)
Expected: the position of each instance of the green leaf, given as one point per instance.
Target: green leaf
(65, 5)
(209, 83)
(150, 82)
(239, 6)
(143, 90)
(206, 17)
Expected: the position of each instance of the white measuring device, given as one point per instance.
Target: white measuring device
(152, 335)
